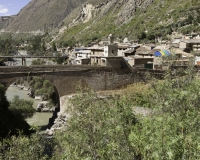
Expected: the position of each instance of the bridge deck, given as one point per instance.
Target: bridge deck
(50, 68)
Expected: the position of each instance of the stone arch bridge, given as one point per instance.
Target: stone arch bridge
(65, 78)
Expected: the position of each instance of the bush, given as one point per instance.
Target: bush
(23, 147)
(97, 129)
(172, 132)
(38, 62)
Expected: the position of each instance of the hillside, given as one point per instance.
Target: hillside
(142, 20)
(42, 15)
(73, 22)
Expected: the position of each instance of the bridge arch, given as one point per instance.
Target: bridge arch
(55, 97)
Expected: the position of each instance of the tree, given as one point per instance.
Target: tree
(23, 147)
(3, 100)
(38, 62)
(54, 46)
(12, 117)
(43, 46)
(58, 59)
(20, 107)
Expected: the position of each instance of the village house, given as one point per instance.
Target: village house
(176, 42)
(125, 50)
(174, 57)
(96, 55)
(190, 45)
(129, 52)
(144, 52)
(140, 62)
(99, 54)
(138, 55)
(122, 48)
(81, 55)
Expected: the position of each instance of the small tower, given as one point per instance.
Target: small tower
(110, 39)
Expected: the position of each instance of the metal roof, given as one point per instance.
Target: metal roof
(130, 51)
(84, 51)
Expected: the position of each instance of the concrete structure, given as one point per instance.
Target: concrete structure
(99, 57)
(110, 50)
(96, 50)
(82, 61)
(83, 54)
(190, 45)
(138, 62)
(122, 48)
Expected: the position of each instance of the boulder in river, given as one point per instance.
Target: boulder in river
(43, 107)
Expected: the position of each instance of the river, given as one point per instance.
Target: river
(39, 119)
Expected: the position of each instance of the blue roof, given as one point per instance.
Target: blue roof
(162, 53)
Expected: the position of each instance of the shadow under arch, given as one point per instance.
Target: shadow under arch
(55, 98)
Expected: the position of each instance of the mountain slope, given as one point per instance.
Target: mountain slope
(42, 15)
(139, 19)
(83, 21)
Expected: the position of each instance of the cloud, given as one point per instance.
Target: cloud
(3, 9)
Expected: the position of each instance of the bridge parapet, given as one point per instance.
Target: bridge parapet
(51, 68)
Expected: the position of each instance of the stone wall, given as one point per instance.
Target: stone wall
(67, 78)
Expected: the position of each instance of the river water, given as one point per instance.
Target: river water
(39, 119)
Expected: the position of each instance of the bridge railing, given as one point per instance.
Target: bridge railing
(42, 53)
(34, 55)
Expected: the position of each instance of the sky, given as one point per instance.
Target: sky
(11, 7)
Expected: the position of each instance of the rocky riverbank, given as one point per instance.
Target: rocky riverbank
(62, 117)
(43, 106)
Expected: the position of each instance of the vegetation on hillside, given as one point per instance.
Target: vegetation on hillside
(160, 19)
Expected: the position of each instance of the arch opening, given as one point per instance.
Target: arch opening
(34, 88)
